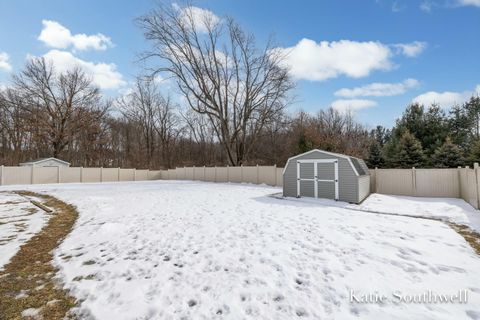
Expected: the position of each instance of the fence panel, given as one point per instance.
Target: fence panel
(127, 174)
(189, 173)
(210, 174)
(199, 173)
(279, 177)
(109, 174)
(90, 175)
(468, 186)
(267, 175)
(373, 180)
(154, 174)
(250, 174)
(44, 175)
(172, 174)
(437, 183)
(17, 175)
(70, 175)
(235, 174)
(222, 174)
(395, 181)
(141, 175)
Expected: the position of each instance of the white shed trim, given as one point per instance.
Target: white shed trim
(315, 175)
(326, 152)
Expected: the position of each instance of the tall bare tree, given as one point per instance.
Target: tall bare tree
(154, 115)
(14, 128)
(58, 103)
(221, 72)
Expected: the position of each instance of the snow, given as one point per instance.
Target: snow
(31, 313)
(449, 209)
(196, 250)
(19, 221)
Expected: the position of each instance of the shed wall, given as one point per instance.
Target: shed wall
(363, 187)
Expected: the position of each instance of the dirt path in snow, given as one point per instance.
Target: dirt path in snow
(28, 288)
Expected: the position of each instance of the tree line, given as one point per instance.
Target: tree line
(429, 137)
(233, 110)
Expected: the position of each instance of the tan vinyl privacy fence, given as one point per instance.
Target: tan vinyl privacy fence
(40, 175)
(461, 183)
(270, 175)
(451, 183)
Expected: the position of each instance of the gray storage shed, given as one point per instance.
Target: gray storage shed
(323, 174)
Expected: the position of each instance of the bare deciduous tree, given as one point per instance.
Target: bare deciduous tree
(153, 114)
(58, 103)
(221, 73)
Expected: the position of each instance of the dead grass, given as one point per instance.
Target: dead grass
(28, 280)
(472, 237)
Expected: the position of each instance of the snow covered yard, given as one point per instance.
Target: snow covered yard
(447, 209)
(171, 250)
(19, 221)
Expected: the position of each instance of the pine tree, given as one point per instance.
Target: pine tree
(304, 144)
(448, 155)
(474, 154)
(409, 152)
(473, 110)
(459, 124)
(375, 157)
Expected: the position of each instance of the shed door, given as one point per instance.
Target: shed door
(317, 178)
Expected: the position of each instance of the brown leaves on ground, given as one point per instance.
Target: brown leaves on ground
(472, 237)
(28, 280)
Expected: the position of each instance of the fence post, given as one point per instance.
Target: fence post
(118, 174)
(215, 179)
(193, 173)
(81, 174)
(134, 174)
(101, 174)
(2, 172)
(477, 195)
(275, 173)
(32, 178)
(258, 175)
(228, 173)
(375, 182)
(58, 174)
(414, 182)
(459, 181)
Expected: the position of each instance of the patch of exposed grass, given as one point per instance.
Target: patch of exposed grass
(28, 280)
(472, 237)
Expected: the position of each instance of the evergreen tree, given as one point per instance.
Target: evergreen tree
(474, 154)
(459, 124)
(380, 135)
(448, 155)
(429, 126)
(435, 129)
(409, 152)
(473, 111)
(304, 144)
(412, 120)
(375, 157)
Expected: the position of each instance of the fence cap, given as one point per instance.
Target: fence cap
(475, 165)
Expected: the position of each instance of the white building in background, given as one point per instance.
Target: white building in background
(45, 162)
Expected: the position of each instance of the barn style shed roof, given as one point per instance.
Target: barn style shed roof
(354, 162)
